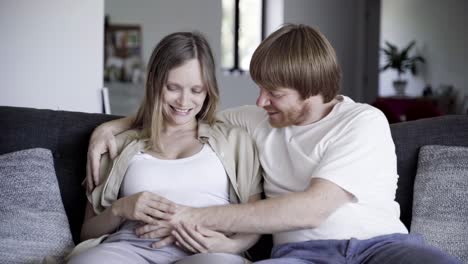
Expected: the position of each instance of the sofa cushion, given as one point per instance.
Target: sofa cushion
(440, 204)
(32, 216)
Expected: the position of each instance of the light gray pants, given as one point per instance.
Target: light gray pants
(124, 247)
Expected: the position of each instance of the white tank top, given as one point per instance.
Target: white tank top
(198, 181)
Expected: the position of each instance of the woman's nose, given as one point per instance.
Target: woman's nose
(182, 98)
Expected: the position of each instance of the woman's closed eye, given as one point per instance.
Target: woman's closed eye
(171, 87)
(197, 90)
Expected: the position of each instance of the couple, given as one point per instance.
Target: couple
(329, 166)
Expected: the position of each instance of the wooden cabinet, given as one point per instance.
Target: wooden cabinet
(398, 109)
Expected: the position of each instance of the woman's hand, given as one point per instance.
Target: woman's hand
(102, 140)
(197, 239)
(163, 230)
(147, 207)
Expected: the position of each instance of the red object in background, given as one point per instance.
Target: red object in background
(398, 109)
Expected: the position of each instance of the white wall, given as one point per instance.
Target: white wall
(440, 29)
(51, 54)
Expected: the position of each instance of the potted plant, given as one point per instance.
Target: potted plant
(402, 62)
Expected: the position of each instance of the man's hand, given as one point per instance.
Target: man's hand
(102, 140)
(180, 213)
(196, 239)
(143, 206)
(162, 229)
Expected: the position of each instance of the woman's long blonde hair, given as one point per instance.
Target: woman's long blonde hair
(173, 51)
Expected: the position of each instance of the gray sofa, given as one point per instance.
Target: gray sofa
(66, 134)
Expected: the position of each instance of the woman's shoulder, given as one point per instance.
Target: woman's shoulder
(224, 136)
(221, 128)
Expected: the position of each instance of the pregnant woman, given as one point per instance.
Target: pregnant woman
(176, 149)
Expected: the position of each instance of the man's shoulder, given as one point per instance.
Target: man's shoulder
(247, 117)
(243, 109)
(245, 113)
(359, 112)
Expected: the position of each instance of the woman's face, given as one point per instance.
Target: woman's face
(183, 94)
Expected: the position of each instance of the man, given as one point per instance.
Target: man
(329, 165)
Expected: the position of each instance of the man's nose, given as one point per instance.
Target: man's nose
(262, 100)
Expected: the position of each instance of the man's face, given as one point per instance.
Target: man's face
(285, 106)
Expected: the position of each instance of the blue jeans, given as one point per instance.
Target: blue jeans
(387, 249)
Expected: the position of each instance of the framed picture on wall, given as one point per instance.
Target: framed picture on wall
(122, 55)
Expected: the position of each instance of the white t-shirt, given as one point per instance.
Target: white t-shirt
(351, 147)
(198, 181)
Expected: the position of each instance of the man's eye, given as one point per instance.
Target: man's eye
(276, 95)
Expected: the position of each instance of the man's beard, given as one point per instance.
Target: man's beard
(283, 119)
